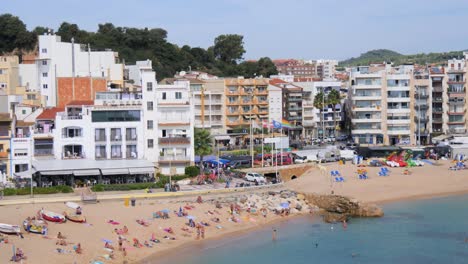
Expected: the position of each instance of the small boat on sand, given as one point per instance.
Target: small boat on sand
(75, 217)
(36, 226)
(9, 229)
(53, 217)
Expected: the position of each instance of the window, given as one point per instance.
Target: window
(149, 86)
(150, 143)
(164, 96)
(116, 134)
(23, 111)
(44, 50)
(21, 152)
(44, 62)
(149, 124)
(131, 152)
(149, 106)
(164, 133)
(21, 167)
(131, 134)
(3, 71)
(116, 116)
(45, 86)
(3, 85)
(45, 74)
(101, 152)
(100, 134)
(31, 96)
(116, 151)
(178, 95)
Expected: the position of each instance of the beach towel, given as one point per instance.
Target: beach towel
(112, 222)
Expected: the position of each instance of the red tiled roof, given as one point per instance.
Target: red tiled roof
(276, 81)
(50, 113)
(81, 102)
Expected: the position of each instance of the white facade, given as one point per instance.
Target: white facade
(328, 67)
(275, 103)
(175, 127)
(61, 59)
(29, 76)
(21, 151)
(89, 132)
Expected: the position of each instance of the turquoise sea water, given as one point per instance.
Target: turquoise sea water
(422, 231)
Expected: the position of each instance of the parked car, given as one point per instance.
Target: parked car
(237, 164)
(342, 138)
(347, 154)
(253, 176)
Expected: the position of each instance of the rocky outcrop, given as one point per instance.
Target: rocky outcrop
(336, 208)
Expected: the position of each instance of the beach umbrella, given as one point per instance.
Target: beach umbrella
(165, 210)
(191, 217)
(106, 241)
(284, 205)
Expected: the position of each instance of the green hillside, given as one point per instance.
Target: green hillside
(381, 55)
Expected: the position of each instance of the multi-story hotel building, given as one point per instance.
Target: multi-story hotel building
(382, 105)
(246, 101)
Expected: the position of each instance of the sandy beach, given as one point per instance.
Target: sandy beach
(426, 181)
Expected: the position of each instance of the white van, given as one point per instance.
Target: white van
(347, 154)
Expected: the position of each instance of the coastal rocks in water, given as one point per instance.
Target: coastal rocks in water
(338, 208)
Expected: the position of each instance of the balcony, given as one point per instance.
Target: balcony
(437, 89)
(116, 138)
(294, 108)
(456, 122)
(421, 107)
(175, 122)
(295, 118)
(421, 96)
(232, 102)
(4, 133)
(437, 99)
(437, 110)
(452, 70)
(457, 130)
(43, 152)
(76, 155)
(131, 155)
(130, 138)
(456, 81)
(116, 155)
(372, 119)
(174, 141)
(456, 112)
(170, 158)
(366, 108)
(63, 116)
(232, 92)
(294, 99)
(422, 119)
(437, 120)
(309, 123)
(262, 92)
(174, 102)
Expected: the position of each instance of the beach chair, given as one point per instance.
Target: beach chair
(332, 173)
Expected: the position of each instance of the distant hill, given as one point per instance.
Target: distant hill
(381, 55)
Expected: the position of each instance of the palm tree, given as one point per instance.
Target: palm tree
(333, 98)
(203, 145)
(319, 103)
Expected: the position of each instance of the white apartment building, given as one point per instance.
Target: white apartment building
(175, 127)
(275, 103)
(326, 68)
(213, 105)
(382, 105)
(61, 59)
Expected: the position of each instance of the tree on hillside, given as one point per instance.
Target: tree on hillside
(319, 103)
(266, 67)
(14, 35)
(229, 48)
(334, 99)
(68, 31)
(203, 144)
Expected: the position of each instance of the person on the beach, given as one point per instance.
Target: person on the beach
(218, 205)
(61, 242)
(232, 209)
(120, 243)
(78, 249)
(198, 231)
(125, 230)
(199, 199)
(264, 212)
(274, 234)
(124, 252)
(202, 231)
(78, 210)
(60, 236)
(108, 245)
(345, 225)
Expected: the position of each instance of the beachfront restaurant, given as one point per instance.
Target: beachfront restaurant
(77, 173)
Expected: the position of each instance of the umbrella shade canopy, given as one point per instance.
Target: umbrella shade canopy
(285, 205)
(106, 241)
(165, 210)
(191, 217)
(205, 158)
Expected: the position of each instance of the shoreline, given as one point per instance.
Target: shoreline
(189, 246)
(184, 250)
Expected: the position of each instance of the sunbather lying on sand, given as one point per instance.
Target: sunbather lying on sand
(142, 222)
(137, 243)
(170, 238)
(215, 219)
(169, 230)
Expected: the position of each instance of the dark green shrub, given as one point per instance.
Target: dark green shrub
(9, 192)
(192, 171)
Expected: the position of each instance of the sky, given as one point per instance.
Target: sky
(301, 29)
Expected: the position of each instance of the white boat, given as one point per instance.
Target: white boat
(72, 205)
(9, 229)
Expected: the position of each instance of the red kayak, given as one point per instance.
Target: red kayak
(53, 217)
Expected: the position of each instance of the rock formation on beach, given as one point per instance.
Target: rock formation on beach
(336, 208)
